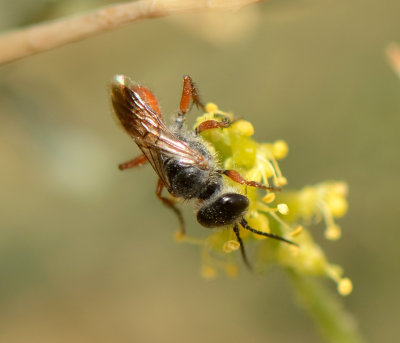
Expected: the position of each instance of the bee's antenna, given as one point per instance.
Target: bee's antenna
(244, 223)
(242, 250)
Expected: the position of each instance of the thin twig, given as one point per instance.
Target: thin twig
(38, 38)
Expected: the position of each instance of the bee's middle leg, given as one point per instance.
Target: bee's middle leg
(211, 124)
(136, 162)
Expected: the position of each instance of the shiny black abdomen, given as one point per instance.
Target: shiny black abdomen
(191, 182)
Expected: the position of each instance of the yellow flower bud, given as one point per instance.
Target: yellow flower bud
(345, 286)
(270, 197)
(244, 127)
(281, 181)
(280, 149)
(333, 232)
(341, 188)
(211, 107)
(283, 209)
(230, 246)
(337, 204)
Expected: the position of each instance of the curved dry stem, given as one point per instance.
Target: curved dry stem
(38, 38)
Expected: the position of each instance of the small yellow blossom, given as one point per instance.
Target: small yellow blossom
(333, 232)
(283, 209)
(337, 205)
(281, 181)
(280, 149)
(211, 107)
(345, 286)
(230, 246)
(326, 201)
(269, 197)
(244, 127)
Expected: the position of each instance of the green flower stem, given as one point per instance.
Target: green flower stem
(334, 322)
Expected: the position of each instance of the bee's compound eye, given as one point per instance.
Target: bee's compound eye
(224, 210)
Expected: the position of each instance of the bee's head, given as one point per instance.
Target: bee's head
(223, 210)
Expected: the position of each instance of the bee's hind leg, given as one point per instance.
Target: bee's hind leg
(169, 203)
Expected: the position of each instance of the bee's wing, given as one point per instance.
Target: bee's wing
(138, 111)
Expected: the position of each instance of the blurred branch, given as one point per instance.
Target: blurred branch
(393, 56)
(332, 319)
(38, 38)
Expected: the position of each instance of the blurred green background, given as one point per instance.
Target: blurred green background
(87, 252)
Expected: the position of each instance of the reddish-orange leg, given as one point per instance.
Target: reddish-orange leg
(211, 124)
(189, 93)
(235, 176)
(140, 160)
(136, 162)
(169, 203)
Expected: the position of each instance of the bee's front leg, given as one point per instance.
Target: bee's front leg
(189, 93)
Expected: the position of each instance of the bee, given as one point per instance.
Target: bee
(181, 159)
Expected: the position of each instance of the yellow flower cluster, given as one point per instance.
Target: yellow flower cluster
(286, 213)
